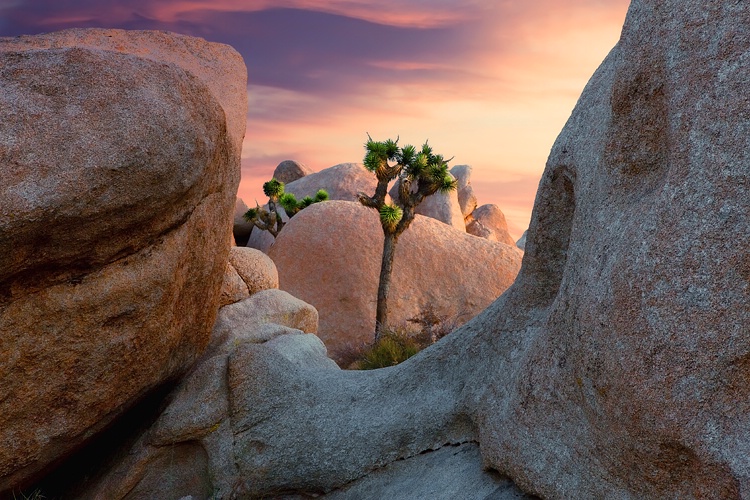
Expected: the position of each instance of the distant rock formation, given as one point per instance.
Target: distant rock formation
(467, 200)
(342, 182)
(289, 171)
(330, 253)
(119, 163)
(488, 221)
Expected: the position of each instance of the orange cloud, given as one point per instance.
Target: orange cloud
(497, 105)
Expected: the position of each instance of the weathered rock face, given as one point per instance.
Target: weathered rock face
(488, 221)
(289, 171)
(448, 472)
(342, 181)
(119, 158)
(255, 268)
(467, 200)
(636, 261)
(233, 287)
(342, 243)
(198, 445)
(243, 318)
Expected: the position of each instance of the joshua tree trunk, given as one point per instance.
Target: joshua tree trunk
(424, 171)
(384, 285)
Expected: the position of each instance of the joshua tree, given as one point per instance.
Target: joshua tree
(420, 174)
(270, 220)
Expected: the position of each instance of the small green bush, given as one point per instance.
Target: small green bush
(393, 347)
(400, 344)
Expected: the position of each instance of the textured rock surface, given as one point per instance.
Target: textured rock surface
(521, 243)
(339, 274)
(439, 206)
(260, 240)
(199, 444)
(119, 158)
(233, 287)
(241, 228)
(255, 268)
(447, 473)
(467, 200)
(342, 181)
(243, 319)
(488, 221)
(289, 171)
(636, 261)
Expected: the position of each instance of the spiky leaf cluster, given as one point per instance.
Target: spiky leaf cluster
(273, 188)
(421, 173)
(291, 205)
(251, 214)
(390, 216)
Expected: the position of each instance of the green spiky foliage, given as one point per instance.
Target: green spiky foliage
(390, 215)
(269, 219)
(292, 206)
(419, 173)
(273, 188)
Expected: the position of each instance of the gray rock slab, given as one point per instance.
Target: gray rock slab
(450, 472)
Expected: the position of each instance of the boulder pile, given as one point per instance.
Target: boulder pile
(329, 255)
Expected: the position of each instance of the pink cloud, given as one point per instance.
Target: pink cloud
(497, 104)
(417, 13)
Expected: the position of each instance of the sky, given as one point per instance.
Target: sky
(490, 83)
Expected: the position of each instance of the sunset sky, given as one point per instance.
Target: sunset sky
(490, 82)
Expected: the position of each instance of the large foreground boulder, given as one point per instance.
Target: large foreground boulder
(119, 162)
(330, 253)
(198, 446)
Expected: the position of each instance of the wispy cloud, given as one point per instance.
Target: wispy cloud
(489, 81)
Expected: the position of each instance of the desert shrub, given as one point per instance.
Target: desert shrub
(393, 347)
(399, 344)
